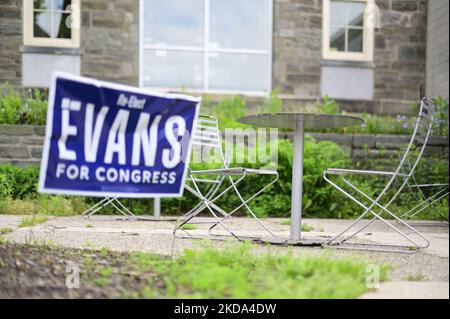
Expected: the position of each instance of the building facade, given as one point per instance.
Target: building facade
(376, 56)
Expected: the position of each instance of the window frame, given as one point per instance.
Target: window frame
(206, 49)
(368, 37)
(28, 29)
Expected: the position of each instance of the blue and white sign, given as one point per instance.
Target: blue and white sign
(110, 140)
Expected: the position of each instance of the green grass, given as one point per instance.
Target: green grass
(104, 252)
(304, 227)
(237, 272)
(30, 221)
(189, 227)
(105, 272)
(44, 205)
(6, 230)
(415, 277)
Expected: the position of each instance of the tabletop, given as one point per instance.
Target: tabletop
(312, 121)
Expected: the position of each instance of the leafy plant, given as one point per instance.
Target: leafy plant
(5, 230)
(271, 105)
(328, 106)
(441, 127)
(35, 108)
(32, 221)
(16, 108)
(16, 182)
(10, 105)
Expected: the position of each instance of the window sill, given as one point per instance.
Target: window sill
(50, 50)
(352, 64)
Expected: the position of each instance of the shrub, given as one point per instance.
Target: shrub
(43, 205)
(35, 109)
(21, 109)
(226, 111)
(328, 106)
(442, 122)
(10, 105)
(18, 183)
(321, 200)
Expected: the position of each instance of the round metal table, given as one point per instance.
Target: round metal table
(299, 122)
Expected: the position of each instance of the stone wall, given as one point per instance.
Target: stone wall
(297, 48)
(110, 40)
(379, 147)
(22, 144)
(400, 54)
(437, 49)
(10, 42)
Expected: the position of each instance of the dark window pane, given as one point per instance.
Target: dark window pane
(355, 40)
(42, 4)
(42, 24)
(62, 26)
(337, 39)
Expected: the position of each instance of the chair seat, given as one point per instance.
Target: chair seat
(340, 171)
(235, 171)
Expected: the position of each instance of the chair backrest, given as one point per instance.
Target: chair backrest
(423, 127)
(421, 135)
(207, 136)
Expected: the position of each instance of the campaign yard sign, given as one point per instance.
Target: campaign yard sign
(110, 140)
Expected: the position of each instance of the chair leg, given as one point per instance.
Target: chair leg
(245, 202)
(394, 248)
(423, 205)
(384, 208)
(211, 193)
(209, 204)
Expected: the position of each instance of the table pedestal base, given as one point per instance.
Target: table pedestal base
(297, 180)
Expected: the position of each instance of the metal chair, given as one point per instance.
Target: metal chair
(380, 205)
(424, 201)
(207, 135)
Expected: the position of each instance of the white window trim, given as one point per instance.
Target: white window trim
(206, 49)
(368, 37)
(30, 40)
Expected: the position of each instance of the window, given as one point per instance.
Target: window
(207, 45)
(347, 33)
(51, 23)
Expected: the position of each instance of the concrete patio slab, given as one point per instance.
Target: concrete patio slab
(410, 290)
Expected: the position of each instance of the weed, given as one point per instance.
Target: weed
(189, 227)
(415, 277)
(30, 221)
(5, 230)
